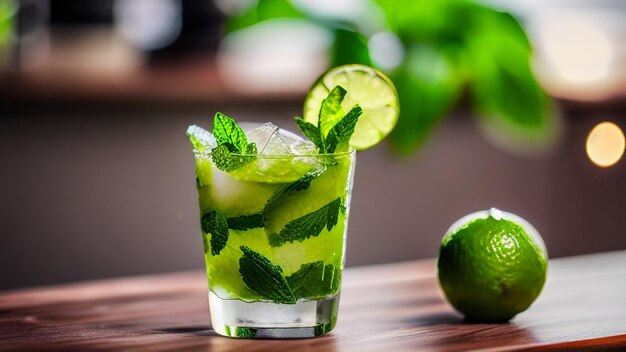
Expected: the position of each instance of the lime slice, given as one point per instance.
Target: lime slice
(369, 88)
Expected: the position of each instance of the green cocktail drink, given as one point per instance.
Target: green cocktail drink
(274, 216)
(274, 243)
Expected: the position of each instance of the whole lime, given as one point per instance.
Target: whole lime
(492, 265)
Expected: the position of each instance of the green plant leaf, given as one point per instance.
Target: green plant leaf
(225, 160)
(339, 136)
(478, 44)
(315, 280)
(302, 184)
(503, 89)
(215, 224)
(263, 10)
(331, 110)
(269, 9)
(264, 277)
(435, 23)
(231, 141)
(429, 84)
(312, 132)
(488, 19)
(349, 47)
(227, 132)
(310, 225)
(246, 222)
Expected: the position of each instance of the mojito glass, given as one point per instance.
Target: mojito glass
(274, 234)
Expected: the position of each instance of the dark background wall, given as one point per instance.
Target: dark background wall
(101, 190)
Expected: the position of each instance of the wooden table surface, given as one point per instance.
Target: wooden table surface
(392, 307)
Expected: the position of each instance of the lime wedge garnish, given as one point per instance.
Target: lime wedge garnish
(369, 88)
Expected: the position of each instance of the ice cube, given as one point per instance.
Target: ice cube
(276, 145)
(262, 136)
(272, 140)
(304, 148)
(249, 126)
(297, 144)
(201, 139)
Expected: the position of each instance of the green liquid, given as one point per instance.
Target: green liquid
(247, 192)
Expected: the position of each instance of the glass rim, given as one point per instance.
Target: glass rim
(348, 153)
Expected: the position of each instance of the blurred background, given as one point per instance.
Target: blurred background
(518, 105)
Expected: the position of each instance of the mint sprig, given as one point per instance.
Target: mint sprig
(310, 225)
(264, 277)
(231, 140)
(334, 127)
(315, 280)
(215, 224)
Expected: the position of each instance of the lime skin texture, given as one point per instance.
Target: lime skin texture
(491, 269)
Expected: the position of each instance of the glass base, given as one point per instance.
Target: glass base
(266, 320)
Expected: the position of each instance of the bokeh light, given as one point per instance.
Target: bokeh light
(605, 144)
(386, 50)
(580, 51)
(578, 54)
(274, 56)
(149, 24)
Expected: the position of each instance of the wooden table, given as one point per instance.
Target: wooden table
(393, 307)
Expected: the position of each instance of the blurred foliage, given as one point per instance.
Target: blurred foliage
(349, 47)
(452, 49)
(7, 13)
(263, 10)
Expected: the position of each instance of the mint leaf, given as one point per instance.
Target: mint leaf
(215, 223)
(231, 148)
(251, 149)
(224, 159)
(312, 132)
(315, 280)
(304, 282)
(264, 277)
(221, 158)
(226, 131)
(246, 222)
(231, 140)
(302, 184)
(343, 130)
(331, 111)
(309, 225)
(332, 278)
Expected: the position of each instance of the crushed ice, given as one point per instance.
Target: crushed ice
(203, 136)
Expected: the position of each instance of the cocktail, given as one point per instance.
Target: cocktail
(274, 207)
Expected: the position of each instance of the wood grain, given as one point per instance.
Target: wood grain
(394, 307)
